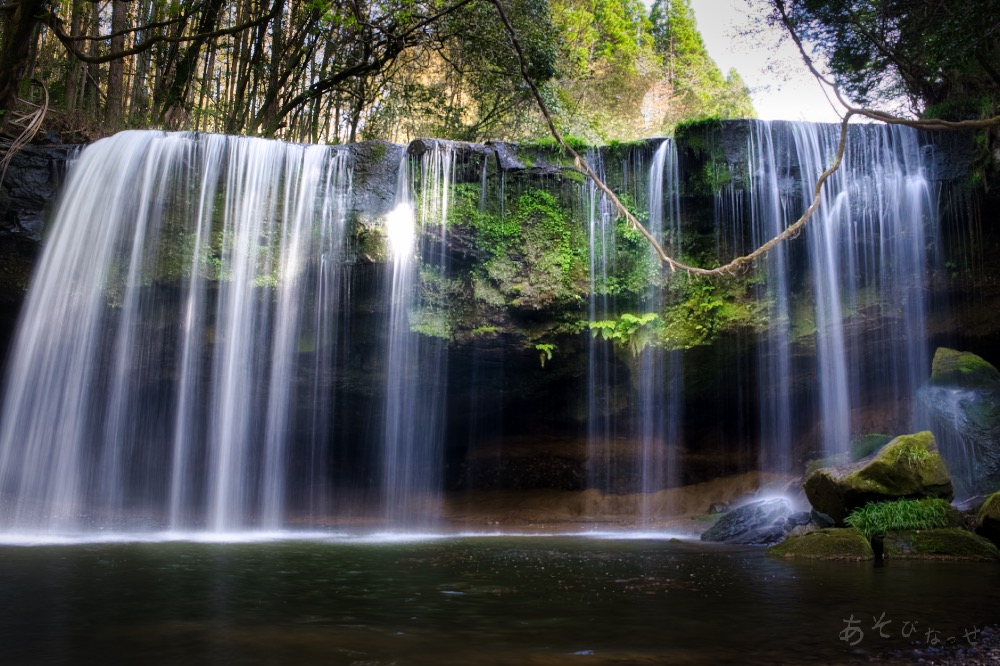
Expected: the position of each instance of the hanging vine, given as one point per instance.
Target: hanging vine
(793, 230)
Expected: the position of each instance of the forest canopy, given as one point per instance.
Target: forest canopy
(927, 58)
(342, 71)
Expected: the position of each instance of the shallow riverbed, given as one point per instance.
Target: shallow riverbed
(472, 600)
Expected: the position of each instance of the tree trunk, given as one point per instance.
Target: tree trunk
(115, 106)
(173, 111)
(139, 97)
(20, 30)
(91, 95)
(76, 69)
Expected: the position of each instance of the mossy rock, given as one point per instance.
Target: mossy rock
(827, 544)
(962, 369)
(865, 445)
(988, 518)
(907, 467)
(943, 544)
(963, 397)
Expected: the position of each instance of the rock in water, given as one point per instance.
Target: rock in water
(826, 544)
(963, 397)
(758, 523)
(940, 544)
(988, 519)
(962, 369)
(907, 467)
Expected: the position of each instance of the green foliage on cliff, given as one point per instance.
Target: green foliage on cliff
(699, 311)
(531, 255)
(630, 331)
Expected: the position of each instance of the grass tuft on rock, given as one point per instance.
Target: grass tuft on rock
(905, 514)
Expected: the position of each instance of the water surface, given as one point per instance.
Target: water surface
(485, 600)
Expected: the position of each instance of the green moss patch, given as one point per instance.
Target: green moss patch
(827, 544)
(941, 544)
(865, 445)
(988, 518)
(962, 369)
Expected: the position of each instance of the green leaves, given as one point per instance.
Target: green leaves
(924, 52)
(544, 350)
(630, 331)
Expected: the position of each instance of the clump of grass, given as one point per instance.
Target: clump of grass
(906, 514)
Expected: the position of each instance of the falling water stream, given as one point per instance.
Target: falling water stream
(177, 404)
(172, 368)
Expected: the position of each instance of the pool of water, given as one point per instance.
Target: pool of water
(483, 600)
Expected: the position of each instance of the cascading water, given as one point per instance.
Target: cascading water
(865, 258)
(774, 368)
(132, 403)
(191, 355)
(869, 253)
(602, 382)
(416, 371)
(660, 382)
(634, 388)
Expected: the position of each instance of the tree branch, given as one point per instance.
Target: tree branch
(793, 229)
(881, 116)
(53, 22)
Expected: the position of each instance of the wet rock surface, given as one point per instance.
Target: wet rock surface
(907, 467)
(940, 544)
(764, 522)
(963, 398)
(826, 544)
(987, 522)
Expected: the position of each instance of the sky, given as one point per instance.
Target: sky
(797, 98)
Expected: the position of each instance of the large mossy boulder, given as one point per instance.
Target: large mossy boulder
(907, 467)
(962, 369)
(761, 523)
(963, 398)
(827, 544)
(988, 518)
(942, 544)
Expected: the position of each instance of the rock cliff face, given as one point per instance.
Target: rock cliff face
(27, 193)
(521, 296)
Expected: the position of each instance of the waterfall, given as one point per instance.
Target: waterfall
(134, 402)
(416, 370)
(859, 277)
(660, 383)
(768, 217)
(217, 340)
(868, 255)
(602, 382)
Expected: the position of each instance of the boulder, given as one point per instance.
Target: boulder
(962, 369)
(826, 544)
(963, 399)
(943, 544)
(907, 467)
(988, 518)
(761, 523)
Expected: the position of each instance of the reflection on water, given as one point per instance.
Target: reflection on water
(495, 600)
